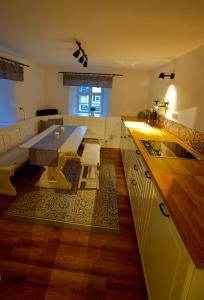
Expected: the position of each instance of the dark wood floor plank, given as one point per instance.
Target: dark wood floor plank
(50, 263)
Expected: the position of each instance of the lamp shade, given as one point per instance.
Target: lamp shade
(161, 75)
(76, 53)
(85, 64)
(81, 59)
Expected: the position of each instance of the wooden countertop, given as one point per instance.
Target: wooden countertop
(181, 184)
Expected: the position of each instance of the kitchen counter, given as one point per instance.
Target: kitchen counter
(181, 184)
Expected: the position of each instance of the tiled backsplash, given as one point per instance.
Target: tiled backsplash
(192, 137)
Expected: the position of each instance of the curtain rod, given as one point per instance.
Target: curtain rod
(91, 73)
(13, 61)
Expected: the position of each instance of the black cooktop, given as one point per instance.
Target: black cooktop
(167, 149)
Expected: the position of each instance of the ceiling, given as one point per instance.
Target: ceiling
(114, 33)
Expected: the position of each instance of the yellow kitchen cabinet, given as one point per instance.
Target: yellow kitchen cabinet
(138, 183)
(170, 273)
(168, 269)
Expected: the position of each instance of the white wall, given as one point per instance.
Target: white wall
(186, 92)
(129, 95)
(29, 93)
(56, 95)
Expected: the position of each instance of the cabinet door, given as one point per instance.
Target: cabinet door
(133, 195)
(122, 140)
(127, 155)
(124, 146)
(165, 259)
(139, 188)
(143, 184)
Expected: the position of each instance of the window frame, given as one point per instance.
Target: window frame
(90, 94)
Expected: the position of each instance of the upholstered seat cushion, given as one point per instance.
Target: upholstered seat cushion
(58, 121)
(44, 124)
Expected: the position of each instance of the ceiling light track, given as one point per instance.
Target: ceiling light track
(83, 59)
(13, 61)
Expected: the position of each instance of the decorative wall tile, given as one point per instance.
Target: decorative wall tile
(198, 141)
(186, 134)
(192, 137)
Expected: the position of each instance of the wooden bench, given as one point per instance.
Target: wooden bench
(9, 162)
(90, 159)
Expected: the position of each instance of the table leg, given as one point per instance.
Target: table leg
(53, 177)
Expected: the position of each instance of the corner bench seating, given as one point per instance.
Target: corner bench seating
(9, 163)
(90, 158)
(11, 156)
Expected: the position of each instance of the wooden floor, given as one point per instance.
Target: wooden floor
(44, 262)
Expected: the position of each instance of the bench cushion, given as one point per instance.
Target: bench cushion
(91, 154)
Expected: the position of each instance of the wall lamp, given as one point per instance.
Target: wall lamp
(163, 75)
(83, 59)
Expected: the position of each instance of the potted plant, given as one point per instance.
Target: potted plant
(92, 110)
(161, 106)
(161, 103)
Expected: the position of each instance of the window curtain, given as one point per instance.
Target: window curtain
(11, 71)
(94, 80)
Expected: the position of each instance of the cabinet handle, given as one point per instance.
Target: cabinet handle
(137, 152)
(161, 205)
(133, 181)
(135, 167)
(148, 175)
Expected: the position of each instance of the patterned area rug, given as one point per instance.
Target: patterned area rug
(84, 209)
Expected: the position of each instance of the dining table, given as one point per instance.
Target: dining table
(51, 149)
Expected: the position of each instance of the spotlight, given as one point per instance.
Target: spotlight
(81, 60)
(77, 52)
(163, 75)
(85, 64)
(172, 75)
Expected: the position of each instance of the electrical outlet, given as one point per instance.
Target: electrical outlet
(22, 109)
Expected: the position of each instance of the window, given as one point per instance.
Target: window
(7, 103)
(89, 97)
(83, 98)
